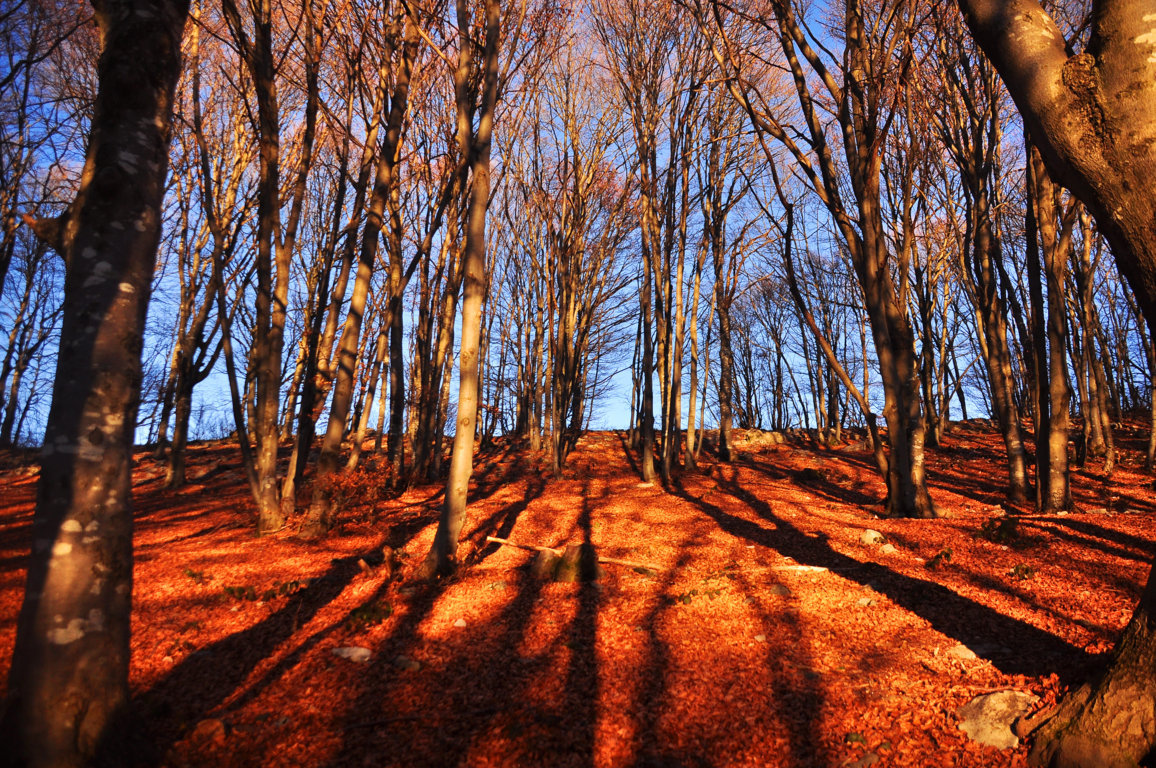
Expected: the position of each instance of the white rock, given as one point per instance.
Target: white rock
(988, 718)
(888, 549)
(460, 623)
(353, 653)
(961, 652)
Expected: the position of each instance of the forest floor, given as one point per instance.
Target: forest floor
(762, 632)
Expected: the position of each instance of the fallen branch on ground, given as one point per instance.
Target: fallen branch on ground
(601, 560)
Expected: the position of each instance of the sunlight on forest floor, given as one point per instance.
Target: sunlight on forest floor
(760, 632)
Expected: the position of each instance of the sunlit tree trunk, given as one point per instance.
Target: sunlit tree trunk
(320, 516)
(1047, 254)
(276, 235)
(68, 682)
(874, 37)
(474, 143)
(1091, 116)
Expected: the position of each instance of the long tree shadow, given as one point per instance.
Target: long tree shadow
(582, 674)
(802, 699)
(205, 679)
(437, 706)
(799, 701)
(1027, 597)
(419, 695)
(387, 720)
(832, 490)
(628, 452)
(502, 521)
(1091, 535)
(654, 673)
(1034, 651)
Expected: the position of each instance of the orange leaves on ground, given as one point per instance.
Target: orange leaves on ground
(762, 632)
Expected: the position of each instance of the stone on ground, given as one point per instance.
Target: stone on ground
(353, 653)
(988, 718)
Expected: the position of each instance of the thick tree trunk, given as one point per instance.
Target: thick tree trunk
(1091, 116)
(907, 494)
(276, 236)
(1051, 335)
(68, 682)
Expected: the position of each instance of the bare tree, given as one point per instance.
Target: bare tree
(1090, 114)
(969, 124)
(863, 87)
(276, 236)
(401, 40)
(72, 640)
(476, 95)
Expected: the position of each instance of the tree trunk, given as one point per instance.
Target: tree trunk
(68, 683)
(1051, 335)
(1091, 116)
(996, 352)
(474, 144)
(320, 517)
(726, 358)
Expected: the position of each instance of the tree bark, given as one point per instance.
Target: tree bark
(320, 517)
(68, 682)
(474, 144)
(1091, 116)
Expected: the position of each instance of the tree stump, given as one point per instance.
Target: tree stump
(545, 564)
(579, 563)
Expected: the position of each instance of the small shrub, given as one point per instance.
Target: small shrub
(199, 577)
(730, 571)
(1022, 572)
(1000, 530)
(360, 487)
(369, 615)
(938, 559)
(281, 590)
(241, 593)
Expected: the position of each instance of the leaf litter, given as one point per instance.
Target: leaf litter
(759, 630)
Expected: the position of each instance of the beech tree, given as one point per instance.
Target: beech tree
(37, 41)
(1091, 116)
(659, 67)
(864, 87)
(400, 40)
(68, 681)
(278, 221)
(476, 91)
(1048, 234)
(966, 112)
